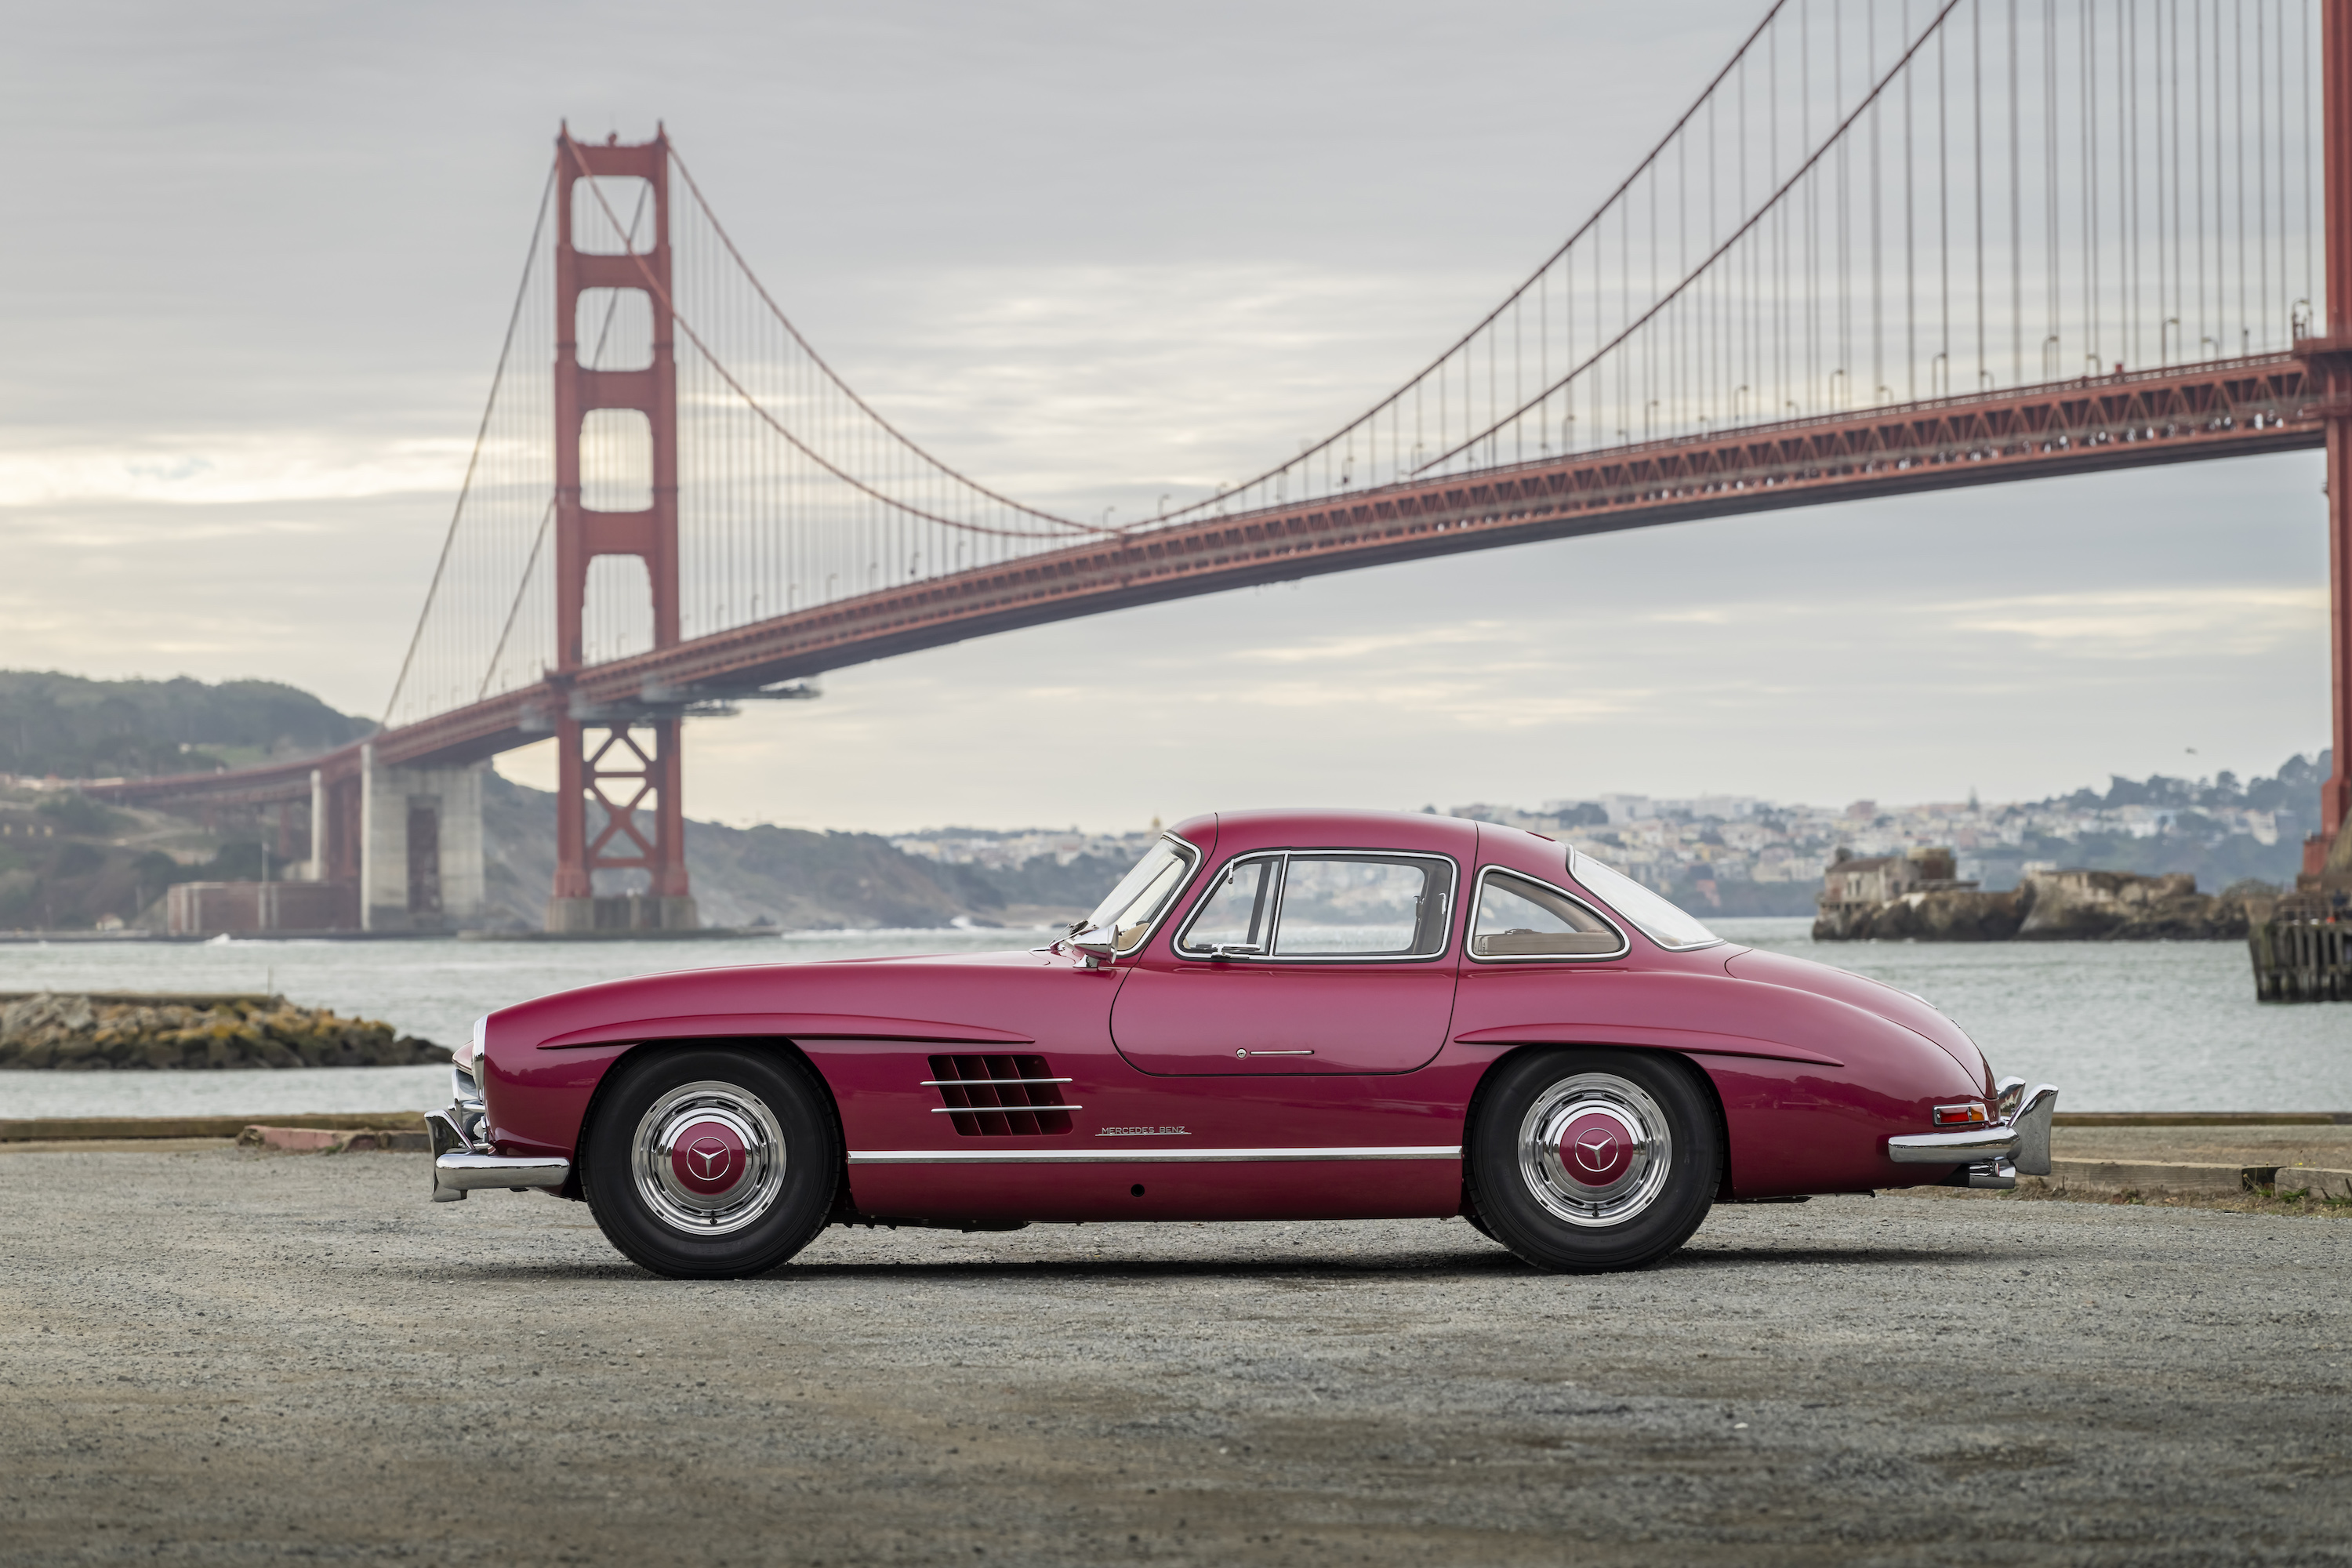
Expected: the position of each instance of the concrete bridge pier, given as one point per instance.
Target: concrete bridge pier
(420, 845)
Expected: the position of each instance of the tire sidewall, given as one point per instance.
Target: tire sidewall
(1512, 1214)
(812, 1149)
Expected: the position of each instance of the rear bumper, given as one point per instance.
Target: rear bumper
(462, 1162)
(1992, 1156)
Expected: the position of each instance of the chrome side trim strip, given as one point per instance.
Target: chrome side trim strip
(464, 1173)
(1000, 1109)
(1133, 1156)
(985, 1082)
(1962, 1148)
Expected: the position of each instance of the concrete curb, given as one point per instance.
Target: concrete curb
(2202, 1118)
(2316, 1180)
(330, 1140)
(66, 1129)
(2183, 1179)
(2110, 1178)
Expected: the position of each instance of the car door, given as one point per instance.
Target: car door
(1300, 960)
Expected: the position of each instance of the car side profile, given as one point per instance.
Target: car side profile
(1287, 1016)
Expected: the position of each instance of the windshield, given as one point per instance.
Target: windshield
(1661, 922)
(1141, 894)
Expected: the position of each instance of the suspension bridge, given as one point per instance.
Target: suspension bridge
(1886, 248)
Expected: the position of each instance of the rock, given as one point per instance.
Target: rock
(2051, 906)
(1953, 916)
(2120, 905)
(86, 1033)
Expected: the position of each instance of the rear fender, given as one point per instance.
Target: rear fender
(1810, 1086)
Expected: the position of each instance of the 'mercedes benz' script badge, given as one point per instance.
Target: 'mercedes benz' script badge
(1143, 1132)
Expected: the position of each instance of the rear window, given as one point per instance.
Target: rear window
(1659, 920)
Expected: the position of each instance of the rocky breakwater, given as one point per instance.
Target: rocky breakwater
(2049, 906)
(101, 1032)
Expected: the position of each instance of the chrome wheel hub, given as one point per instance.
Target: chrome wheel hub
(708, 1158)
(1594, 1149)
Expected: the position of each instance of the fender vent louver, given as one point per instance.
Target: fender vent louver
(999, 1097)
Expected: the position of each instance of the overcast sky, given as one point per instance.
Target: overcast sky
(262, 257)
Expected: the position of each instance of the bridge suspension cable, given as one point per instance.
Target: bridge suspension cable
(1872, 203)
(794, 491)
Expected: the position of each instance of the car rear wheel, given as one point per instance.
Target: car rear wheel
(1582, 1161)
(711, 1163)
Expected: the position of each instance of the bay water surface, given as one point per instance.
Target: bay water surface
(2117, 1026)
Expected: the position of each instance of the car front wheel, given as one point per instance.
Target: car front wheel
(711, 1163)
(1582, 1160)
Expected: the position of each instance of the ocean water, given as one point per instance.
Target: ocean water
(2120, 1026)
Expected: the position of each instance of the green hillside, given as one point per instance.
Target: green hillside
(75, 728)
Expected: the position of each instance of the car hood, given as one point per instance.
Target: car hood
(1890, 1003)
(1004, 997)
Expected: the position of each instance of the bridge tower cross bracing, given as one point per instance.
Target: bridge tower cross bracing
(598, 743)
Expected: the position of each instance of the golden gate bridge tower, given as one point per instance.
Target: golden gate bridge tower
(596, 744)
(1883, 250)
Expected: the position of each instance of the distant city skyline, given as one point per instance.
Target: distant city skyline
(1090, 256)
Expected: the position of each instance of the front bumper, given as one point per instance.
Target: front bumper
(462, 1161)
(1995, 1155)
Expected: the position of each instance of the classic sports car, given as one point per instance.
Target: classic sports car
(1276, 1015)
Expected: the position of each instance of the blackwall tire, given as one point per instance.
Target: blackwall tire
(1583, 1161)
(711, 1163)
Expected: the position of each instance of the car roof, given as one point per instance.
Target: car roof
(1240, 832)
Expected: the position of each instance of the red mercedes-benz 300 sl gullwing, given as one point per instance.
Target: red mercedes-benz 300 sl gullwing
(1276, 1015)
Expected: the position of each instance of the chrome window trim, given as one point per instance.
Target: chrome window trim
(1194, 860)
(1574, 855)
(1181, 943)
(1470, 927)
(1282, 890)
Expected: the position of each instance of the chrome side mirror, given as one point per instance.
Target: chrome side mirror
(1095, 945)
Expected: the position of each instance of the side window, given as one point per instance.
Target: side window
(1363, 906)
(1520, 919)
(1237, 914)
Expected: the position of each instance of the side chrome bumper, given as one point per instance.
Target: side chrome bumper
(462, 1164)
(1995, 1155)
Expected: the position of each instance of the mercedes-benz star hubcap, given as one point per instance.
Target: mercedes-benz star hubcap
(1594, 1149)
(708, 1158)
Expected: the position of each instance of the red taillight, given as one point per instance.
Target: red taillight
(1972, 1114)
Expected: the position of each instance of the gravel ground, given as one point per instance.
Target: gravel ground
(220, 1355)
